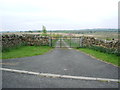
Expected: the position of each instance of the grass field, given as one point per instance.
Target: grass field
(25, 51)
(54, 42)
(111, 58)
(71, 43)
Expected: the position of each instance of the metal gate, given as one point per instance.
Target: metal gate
(65, 42)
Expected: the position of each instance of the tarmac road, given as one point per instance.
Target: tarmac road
(62, 61)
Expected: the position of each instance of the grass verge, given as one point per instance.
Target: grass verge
(110, 58)
(25, 51)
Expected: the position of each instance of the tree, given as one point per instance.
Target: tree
(44, 30)
(30, 31)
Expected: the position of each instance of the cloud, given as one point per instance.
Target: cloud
(58, 14)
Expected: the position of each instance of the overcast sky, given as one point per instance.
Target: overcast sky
(58, 14)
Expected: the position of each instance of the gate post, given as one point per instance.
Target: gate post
(51, 41)
(70, 41)
(81, 40)
(60, 42)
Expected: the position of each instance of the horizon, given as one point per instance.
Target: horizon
(64, 30)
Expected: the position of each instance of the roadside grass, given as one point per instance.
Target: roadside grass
(111, 58)
(25, 51)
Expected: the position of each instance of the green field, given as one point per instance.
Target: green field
(54, 42)
(111, 58)
(25, 51)
(71, 43)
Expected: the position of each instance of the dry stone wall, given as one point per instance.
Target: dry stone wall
(9, 41)
(90, 41)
